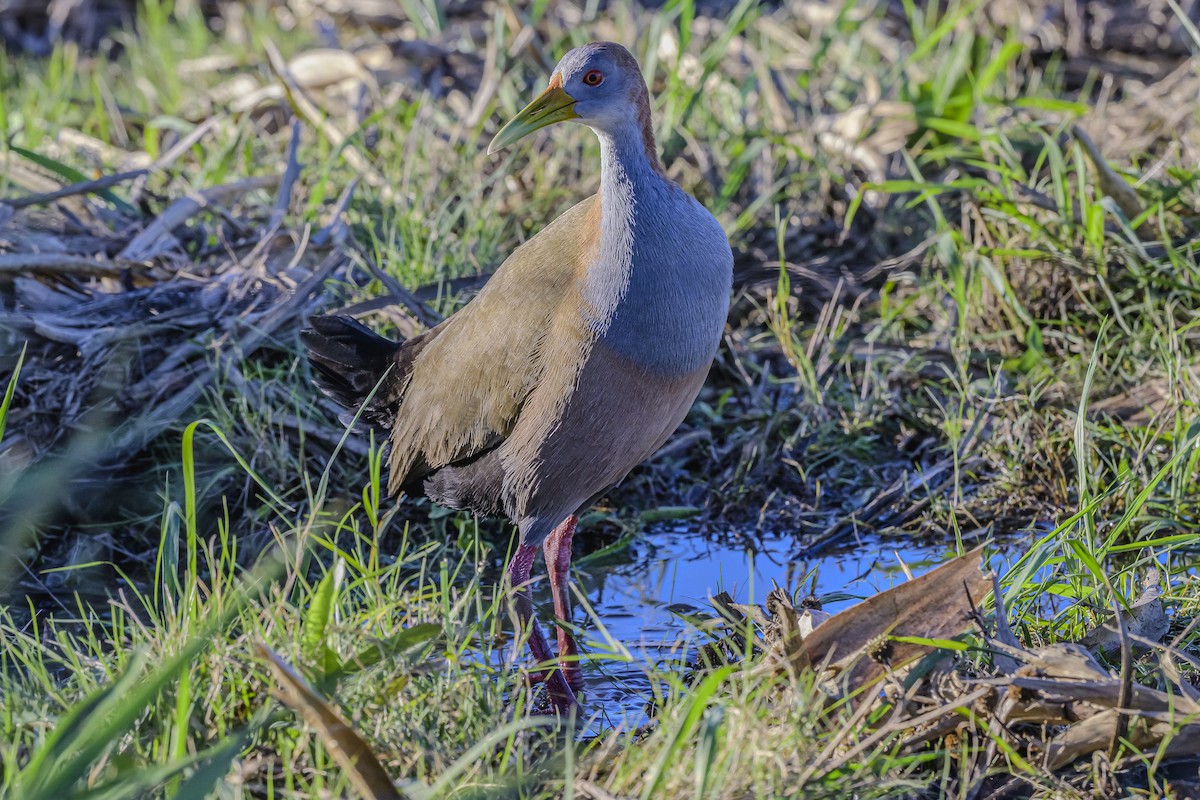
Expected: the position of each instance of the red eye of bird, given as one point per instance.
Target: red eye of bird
(594, 78)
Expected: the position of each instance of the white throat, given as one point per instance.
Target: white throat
(627, 183)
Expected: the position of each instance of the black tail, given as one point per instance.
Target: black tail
(350, 359)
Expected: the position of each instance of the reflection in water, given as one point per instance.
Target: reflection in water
(667, 573)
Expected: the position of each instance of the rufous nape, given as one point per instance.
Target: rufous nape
(577, 359)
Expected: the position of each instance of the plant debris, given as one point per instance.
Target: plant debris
(901, 652)
(126, 320)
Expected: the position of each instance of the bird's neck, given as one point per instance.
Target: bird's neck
(633, 188)
(632, 184)
(627, 155)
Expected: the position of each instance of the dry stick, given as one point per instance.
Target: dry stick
(1112, 184)
(183, 145)
(488, 86)
(1093, 734)
(1004, 633)
(389, 309)
(28, 179)
(139, 431)
(723, 604)
(146, 244)
(1100, 693)
(932, 478)
(336, 229)
(53, 333)
(996, 727)
(58, 264)
(527, 41)
(835, 742)
(1121, 728)
(174, 153)
(593, 791)
(82, 187)
(1170, 670)
(283, 200)
(331, 437)
(109, 181)
(291, 173)
(680, 444)
(289, 273)
(1191, 627)
(423, 313)
(149, 384)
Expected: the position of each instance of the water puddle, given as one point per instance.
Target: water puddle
(643, 601)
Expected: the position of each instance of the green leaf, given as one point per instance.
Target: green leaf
(1051, 104)
(72, 175)
(140, 782)
(108, 715)
(991, 72)
(614, 549)
(706, 750)
(953, 127)
(1089, 561)
(667, 513)
(1035, 352)
(64, 171)
(320, 613)
(1135, 508)
(216, 763)
(93, 726)
(12, 390)
(696, 704)
(941, 644)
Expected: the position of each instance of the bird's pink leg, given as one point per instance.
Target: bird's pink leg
(518, 573)
(557, 548)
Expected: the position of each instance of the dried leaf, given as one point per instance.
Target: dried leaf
(1095, 733)
(933, 606)
(1112, 184)
(365, 772)
(1151, 399)
(1146, 619)
(810, 618)
(316, 69)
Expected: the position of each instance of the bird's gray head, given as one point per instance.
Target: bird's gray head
(599, 84)
(606, 83)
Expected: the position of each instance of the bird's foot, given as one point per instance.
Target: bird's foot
(561, 695)
(574, 677)
(559, 690)
(571, 673)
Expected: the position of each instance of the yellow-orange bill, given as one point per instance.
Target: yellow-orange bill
(551, 106)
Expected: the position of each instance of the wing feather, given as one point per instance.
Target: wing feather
(468, 384)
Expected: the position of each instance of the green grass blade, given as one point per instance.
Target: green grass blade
(72, 175)
(214, 762)
(320, 613)
(11, 391)
(697, 703)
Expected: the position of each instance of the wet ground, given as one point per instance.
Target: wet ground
(643, 598)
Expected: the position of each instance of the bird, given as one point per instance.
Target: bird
(573, 364)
